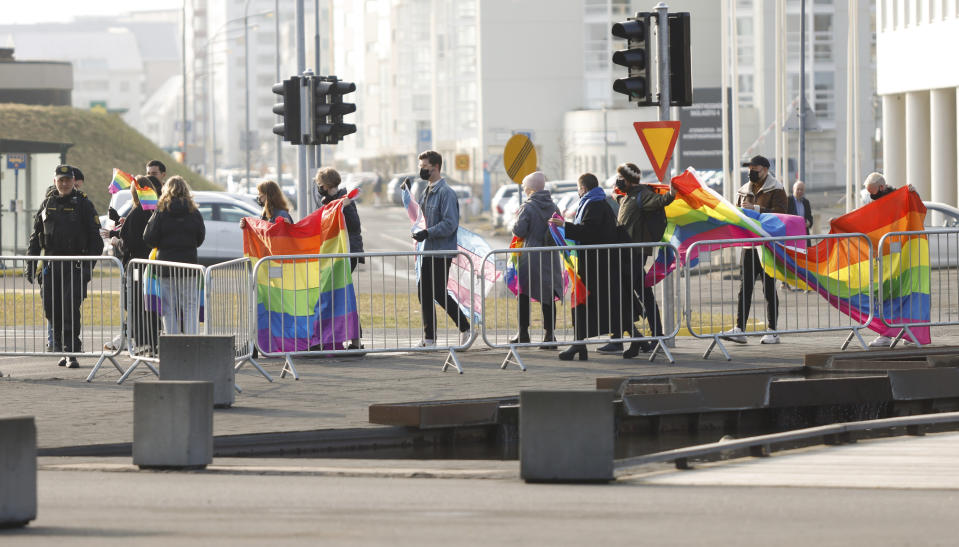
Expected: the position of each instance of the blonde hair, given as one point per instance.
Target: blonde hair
(275, 200)
(176, 188)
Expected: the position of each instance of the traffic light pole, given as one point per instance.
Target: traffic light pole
(662, 13)
(302, 188)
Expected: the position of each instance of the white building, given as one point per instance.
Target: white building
(918, 91)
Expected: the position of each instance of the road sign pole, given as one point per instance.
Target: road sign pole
(16, 214)
(662, 11)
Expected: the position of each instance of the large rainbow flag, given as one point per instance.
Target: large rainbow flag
(302, 304)
(837, 270)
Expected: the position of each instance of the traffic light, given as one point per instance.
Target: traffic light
(329, 109)
(636, 58)
(289, 90)
(680, 70)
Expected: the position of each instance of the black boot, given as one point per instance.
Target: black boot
(522, 337)
(635, 348)
(576, 350)
(549, 323)
(549, 338)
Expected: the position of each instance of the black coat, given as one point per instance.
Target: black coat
(600, 271)
(176, 233)
(131, 236)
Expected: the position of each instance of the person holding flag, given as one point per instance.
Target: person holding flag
(540, 276)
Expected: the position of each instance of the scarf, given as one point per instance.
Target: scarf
(596, 194)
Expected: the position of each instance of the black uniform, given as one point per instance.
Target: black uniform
(64, 226)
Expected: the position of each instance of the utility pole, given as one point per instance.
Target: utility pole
(183, 51)
(246, 94)
(662, 28)
(302, 190)
(279, 139)
(802, 91)
(316, 39)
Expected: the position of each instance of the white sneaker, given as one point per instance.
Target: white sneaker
(907, 342)
(733, 335)
(465, 337)
(881, 342)
(770, 339)
(426, 342)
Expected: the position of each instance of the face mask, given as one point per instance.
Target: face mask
(874, 196)
(621, 185)
(323, 190)
(425, 174)
(753, 176)
(260, 201)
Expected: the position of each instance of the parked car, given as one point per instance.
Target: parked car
(498, 202)
(469, 205)
(221, 213)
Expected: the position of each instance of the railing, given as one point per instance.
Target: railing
(720, 295)
(230, 308)
(304, 308)
(918, 281)
(66, 305)
(612, 300)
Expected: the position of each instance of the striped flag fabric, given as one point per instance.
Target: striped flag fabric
(121, 181)
(147, 196)
(570, 265)
(303, 304)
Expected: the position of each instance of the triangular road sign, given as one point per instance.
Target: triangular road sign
(659, 139)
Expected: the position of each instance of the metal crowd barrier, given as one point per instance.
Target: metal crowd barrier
(230, 308)
(161, 297)
(805, 302)
(927, 263)
(304, 310)
(616, 299)
(71, 306)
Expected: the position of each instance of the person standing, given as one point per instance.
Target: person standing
(176, 229)
(540, 274)
(66, 224)
(144, 323)
(763, 194)
(642, 216)
(328, 187)
(274, 203)
(799, 205)
(157, 170)
(441, 214)
(594, 224)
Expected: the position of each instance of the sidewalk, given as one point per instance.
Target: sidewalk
(336, 393)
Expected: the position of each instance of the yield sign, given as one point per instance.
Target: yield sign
(659, 139)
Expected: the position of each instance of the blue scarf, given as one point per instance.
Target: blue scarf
(596, 194)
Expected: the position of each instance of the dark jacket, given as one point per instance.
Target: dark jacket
(131, 236)
(281, 213)
(66, 225)
(353, 225)
(176, 233)
(885, 191)
(599, 270)
(642, 214)
(540, 273)
(807, 210)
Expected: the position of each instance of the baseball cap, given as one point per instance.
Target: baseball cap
(64, 171)
(757, 160)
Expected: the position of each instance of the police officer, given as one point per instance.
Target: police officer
(66, 224)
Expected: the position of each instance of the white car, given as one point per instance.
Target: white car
(498, 203)
(221, 216)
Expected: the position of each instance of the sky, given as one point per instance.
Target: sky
(23, 12)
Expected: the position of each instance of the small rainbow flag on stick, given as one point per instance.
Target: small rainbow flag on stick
(121, 181)
(147, 196)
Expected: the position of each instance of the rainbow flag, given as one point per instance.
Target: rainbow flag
(302, 304)
(699, 214)
(511, 277)
(121, 181)
(570, 265)
(147, 196)
(839, 270)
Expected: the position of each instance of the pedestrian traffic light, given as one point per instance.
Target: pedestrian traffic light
(329, 109)
(636, 58)
(680, 70)
(289, 109)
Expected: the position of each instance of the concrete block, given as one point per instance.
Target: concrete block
(935, 383)
(172, 424)
(18, 471)
(829, 391)
(200, 358)
(566, 436)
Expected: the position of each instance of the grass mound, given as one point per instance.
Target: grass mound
(100, 143)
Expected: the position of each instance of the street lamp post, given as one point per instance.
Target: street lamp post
(246, 96)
